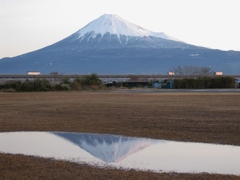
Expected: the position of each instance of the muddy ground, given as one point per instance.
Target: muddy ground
(195, 117)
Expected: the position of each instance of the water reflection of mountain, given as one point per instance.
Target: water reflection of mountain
(108, 148)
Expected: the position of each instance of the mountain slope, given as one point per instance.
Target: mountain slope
(111, 45)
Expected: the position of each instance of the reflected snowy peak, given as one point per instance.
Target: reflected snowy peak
(108, 148)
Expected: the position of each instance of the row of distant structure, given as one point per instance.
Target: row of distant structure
(39, 73)
(215, 73)
(57, 73)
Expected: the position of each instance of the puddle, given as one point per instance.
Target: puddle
(125, 152)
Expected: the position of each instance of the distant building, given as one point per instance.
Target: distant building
(237, 83)
(218, 73)
(168, 84)
(55, 73)
(157, 84)
(171, 73)
(33, 73)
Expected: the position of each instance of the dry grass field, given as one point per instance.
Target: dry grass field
(195, 117)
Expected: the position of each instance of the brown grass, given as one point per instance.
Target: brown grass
(28, 167)
(197, 117)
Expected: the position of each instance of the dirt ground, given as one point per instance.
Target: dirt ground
(195, 117)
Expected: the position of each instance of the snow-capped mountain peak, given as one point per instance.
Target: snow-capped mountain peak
(113, 24)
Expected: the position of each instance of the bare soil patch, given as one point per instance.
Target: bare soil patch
(196, 117)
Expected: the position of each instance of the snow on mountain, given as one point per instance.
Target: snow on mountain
(113, 24)
(108, 148)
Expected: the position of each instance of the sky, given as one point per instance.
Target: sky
(28, 25)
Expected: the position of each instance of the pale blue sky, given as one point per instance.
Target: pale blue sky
(28, 25)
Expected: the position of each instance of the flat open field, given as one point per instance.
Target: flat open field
(196, 117)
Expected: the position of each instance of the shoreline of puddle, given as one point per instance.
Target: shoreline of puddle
(106, 150)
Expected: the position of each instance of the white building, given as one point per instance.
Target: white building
(33, 73)
(218, 73)
(171, 73)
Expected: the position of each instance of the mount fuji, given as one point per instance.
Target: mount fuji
(112, 45)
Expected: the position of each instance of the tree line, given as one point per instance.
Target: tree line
(192, 70)
(91, 82)
(204, 83)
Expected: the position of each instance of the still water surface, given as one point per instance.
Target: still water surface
(125, 152)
